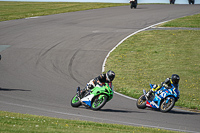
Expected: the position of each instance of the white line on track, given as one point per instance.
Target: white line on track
(95, 118)
(103, 66)
(125, 96)
(32, 17)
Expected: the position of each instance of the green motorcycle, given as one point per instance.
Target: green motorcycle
(95, 98)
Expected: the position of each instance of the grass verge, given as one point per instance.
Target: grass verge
(18, 10)
(188, 21)
(23, 123)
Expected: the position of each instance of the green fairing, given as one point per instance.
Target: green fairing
(75, 99)
(103, 90)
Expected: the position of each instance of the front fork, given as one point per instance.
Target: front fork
(167, 100)
(144, 92)
(78, 91)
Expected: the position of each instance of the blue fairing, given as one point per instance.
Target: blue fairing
(162, 94)
(88, 103)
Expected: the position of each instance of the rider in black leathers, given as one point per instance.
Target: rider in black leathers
(100, 80)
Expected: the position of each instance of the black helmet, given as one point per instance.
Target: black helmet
(110, 75)
(175, 78)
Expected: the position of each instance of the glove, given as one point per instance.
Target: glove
(165, 85)
(90, 86)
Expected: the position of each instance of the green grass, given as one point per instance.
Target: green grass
(18, 10)
(23, 123)
(152, 56)
(188, 21)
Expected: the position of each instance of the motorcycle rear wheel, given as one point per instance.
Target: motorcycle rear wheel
(141, 102)
(98, 102)
(133, 5)
(166, 107)
(75, 102)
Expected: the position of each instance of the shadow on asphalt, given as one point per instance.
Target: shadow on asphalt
(176, 111)
(122, 111)
(183, 112)
(5, 89)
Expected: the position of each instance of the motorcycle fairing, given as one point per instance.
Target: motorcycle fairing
(148, 104)
(87, 100)
(154, 103)
(104, 90)
(161, 94)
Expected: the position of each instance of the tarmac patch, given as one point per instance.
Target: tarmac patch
(3, 47)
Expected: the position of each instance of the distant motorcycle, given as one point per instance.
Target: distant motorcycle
(133, 4)
(164, 99)
(172, 1)
(191, 1)
(94, 99)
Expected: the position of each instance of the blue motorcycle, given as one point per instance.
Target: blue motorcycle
(163, 99)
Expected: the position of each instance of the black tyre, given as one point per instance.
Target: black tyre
(133, 5)
(192, 1)
(98, 102)
(75, 102)
(172, 1)
(166, 107)
(141, 102)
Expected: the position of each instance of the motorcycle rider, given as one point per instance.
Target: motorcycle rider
(100, 80)
(171, 1)
(133, 3)
(168, 83)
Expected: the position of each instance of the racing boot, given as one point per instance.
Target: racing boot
(149, 93)
(78, 92)
(83, 91)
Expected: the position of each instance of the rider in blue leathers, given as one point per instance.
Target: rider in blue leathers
(168, 83)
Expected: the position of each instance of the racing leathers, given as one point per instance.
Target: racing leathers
(101, 80)
(168, 84)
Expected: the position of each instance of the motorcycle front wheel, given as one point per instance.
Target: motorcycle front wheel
(167, 106)
(75, 102)
(98, 102)
(141, 102)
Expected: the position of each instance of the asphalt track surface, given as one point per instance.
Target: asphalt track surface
(45, 58)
